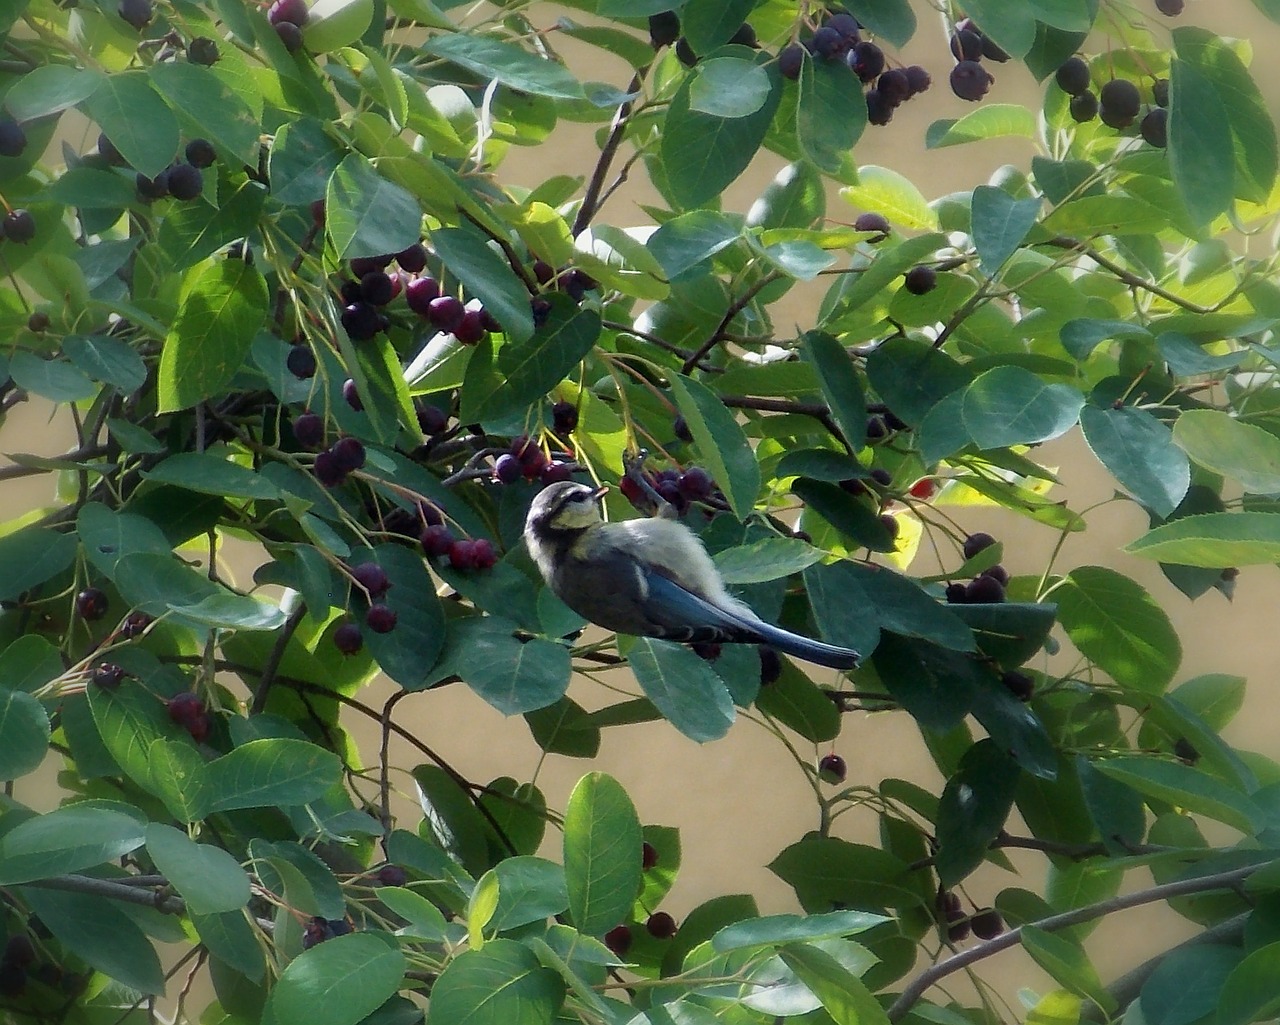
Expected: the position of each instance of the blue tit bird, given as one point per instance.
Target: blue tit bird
(648, 577)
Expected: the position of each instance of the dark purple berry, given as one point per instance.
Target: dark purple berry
(685, 53)
(1084, 107)
(970, 80)
(999, 572)
(664, 29)
(413, 259)
(1185, 751)
(919, 79)
(20, 951)
(152, 188)
(1020, 685)
(966, 45)
(648, 856)
(827, 43)
(977, 542)
(185, 182)
(1155, 127)
(984, 591)
(1160, 92)
(695, 484)
(680, 428)
(882, 477)
(308, 428)
(846, 24)
(446, 312)
(1120, 98)
(661, 926)
(891, 525)
(470, 328)
(419, 293)
(38, 321)
(200, 153)
(507, 468)
(920, 280)
(328, 469)
(894, 85)
(956, 594)
(564, 418)
(19, 226)
(790, 60)
(866, 60)
(108, 151)
(203, 50)
(770, 665)
(1169, 8)
(1072, 76)
(392, 875)
(352, 395)
(832, 769)
(436, 540)
(290, 35)
(135, 625)
(618, 939)
(372, 577)
(347, 638)
(873, 222)
(377, 288)
(744, 35)
(432, 419)
(107, 675)
(349, 452)
(293, 11)
(360, 321)
(483, 555)
(462, 554)
(137, 13)
(987, 924)
(301, 362)
(13, 140)
(992, 50)
(381, 619)
(879, 109)
(91, 604)
(543, 272)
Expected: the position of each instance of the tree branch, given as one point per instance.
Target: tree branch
(1128, 277)
(115, 890)
(935, 974)
(617, 131)
(272, 665)
(736, 307)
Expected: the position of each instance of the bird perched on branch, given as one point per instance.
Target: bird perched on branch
(649, 577)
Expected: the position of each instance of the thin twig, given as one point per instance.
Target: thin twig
(736, 307)
(114, 890)
(617, 130)
(272, 665)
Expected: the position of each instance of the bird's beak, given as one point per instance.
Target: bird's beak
(600, 492)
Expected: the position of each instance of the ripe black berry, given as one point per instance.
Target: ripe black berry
(999, 572)
(360, 321)
(1169, 8)
(618, 939)
(846, 24)
(419, 293)
(347, 638)
(470, 328)
(956, 594)
(446, 312)
(200, 153)
(203, 50)
(882, 476)
(970, 80)
(412, 259)
(648, 856)
(301, 362)
(107, 675)
(976, 542)
(13, 140)
(987, 924)
(290, 35)
(349, 452)
(507, 468)
(372, 577)
(920, 280)
(894, 85)
(38, 321)
(832, 769)
(135, 625)
(328, 469)
(436, 540)
(745, 35)
(1084, 107)
(351, 394)
(152, 188)
(137, 13)
(695, 484)
(20, 951)
(293, 11)
(992, 50)
(108, 151)
(377, 288)
(1072, 76)
(680, 427)
(919, 78)
(1120, 99)
(966, 45)
(827, 43)
(664, 29)
(866, 60)
(91, 604)
(984, 591)
(1160, 92)
(770, 665)
(381, 619)
(1020, 685)
(879, 109)
(661, 925)
(185, 182)
(432, 419)
(1155, 127)
(685, 53)
(19, 226)
(790, 60)
(873, 222)
(392, 875)
(1185, 751)
(564, 417)
(308, 428)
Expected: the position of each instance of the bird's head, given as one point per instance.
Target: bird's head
(565, 506)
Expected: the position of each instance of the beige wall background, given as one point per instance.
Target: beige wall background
(740, 800)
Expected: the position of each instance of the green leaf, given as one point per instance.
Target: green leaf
(1009, 632)
(303, 158)
(500, 984)
(720, 442)
(685, 241)
(24, 733)
(1014, 728)
(1225, 445)
(769, 558)
(233, 941)
(212, 474)
(108, 360)
(1186, 358)
(336, 23)
(827, 124)
(1249, 993)
(1115, 808)
(974, 805)
(1187, 984)
(367, 215)
(514, 676)
(507, 63)
(1252, 130)
(222, 307)
(893, 195)
(529, 890)
(1201, 150)
(1013, 27)
(990, 121)
(31, 556)
(209, 108)
(685, 689)
(1140, 452)
(561, 729)
(409, 653)
(66, 840)
(602, 848)
(1082, 335)
(825, 870)
(793, 199)
(53, 379)
(1012, 406)
(50, 89)
(844, 996)
(1118, 625)
(702, 153)
(1185, 787)
(728, 87)
(1000, 224)
(912, 376)
(893, 19)
(840, 384)
(209, 879)
(136, 119)
(161, 585)
(1066, 961)
(775, 930)
(708, 25)
(337, 982)
(488, 276)
(1106, 215)
(263, 773)
(96, 930)
(1215, 540)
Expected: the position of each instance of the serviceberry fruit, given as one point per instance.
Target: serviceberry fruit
(984, 591)
(1155, 127)
(970, 80)
(987, 924)
(462, 554)
(308, 428)
(648, 856)
(1170, 8)
(790, 60)
(203, 50)
(413, 259)
(91, 604)
(660, 925)
(1119, 102)
(328, 469)
(894, 85)
(290, 35)
(185, 182)
(349, 453)
(866, 60)
(695, 484)
(920, 280)
(507, 468)
(997, 572)
(827, 43)
(377, 288)
(664, 29)
(348, 639)
(919, 78)
(879, 108)
(293, 11)
(301, 362)
(351, 394)
(419, 293)
(137, 13)
(135, 625)
(832, 769)
(107, 675)
(13, 140)
(882, 476)
(1160, 92)
(618, 939)
(19, 226)
(1072, 76)
(446, 312)
(372, 577)
(381, 619)
(564, 417)
(966, 45)
(483, 555)
(360, 321)
(470, 328)
(436, 539)
(976, 542)
(392, 875)
(1084, 107)
(745, 35)
(555, 472)
(873, 222)
(200, 153)
(956, 594)
(432, 419)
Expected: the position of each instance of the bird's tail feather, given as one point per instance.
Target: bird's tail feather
(829, 655)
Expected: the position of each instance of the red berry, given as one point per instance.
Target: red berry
(924, 489)
(618, 939)
(462, 554)
(661, 925)
(372, 577)
(648, 856)
(482, 554)
(437, 539)
(347, 638)
(185, 707)
(392, 875)
(419, 294)
(470, 329)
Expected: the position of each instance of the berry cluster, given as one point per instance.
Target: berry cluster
(970, 80)
(320, 929)
(288, 17)
(338, 461)
(679, 488)
(1118, 103)
(988, 586)
(525, 459)
(984, 923)
(181, 180)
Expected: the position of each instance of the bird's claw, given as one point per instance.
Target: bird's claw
(633, 467)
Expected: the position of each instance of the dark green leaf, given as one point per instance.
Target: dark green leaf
(767, 559)
(1116, 809)
(107, 359)
(707, 26)
(1140, 452)
(233, 941)
(163, 585)
(794, 199)
(208, 878)
(452, 821)
(507, 63)
(1082, 335)
(53, 379)
(721, 443)
(1201, 150)
(1066, 962)
(486, 275)
(208, 108)
(892, 19)
(853, 517)
(136, 119)
(800, 705)
(1000, 224)
(31, 556)
(560, 728)
(338, 982)
(729, 87)
(1012, 406)
(263, 773)
(211, 474)
(1186, 787)
(844, 996)
(602, 848)
(840, 384)
(1187, 984)
(827, 124)
(825, 871)
(24, 733)
(67, 840)
(912, 376)
(1220, 442)
(1015, 730)
(936, 685)
(1010, 632)
(512, 675)
(684, 688)
(1215, 540)
(197, 230)
(50, 89)
(367, 215)
(685, 241)
(1249, 992)
(1186, 358)
(975, 803)
(500, 984)
(303, 159)
(529, 890)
